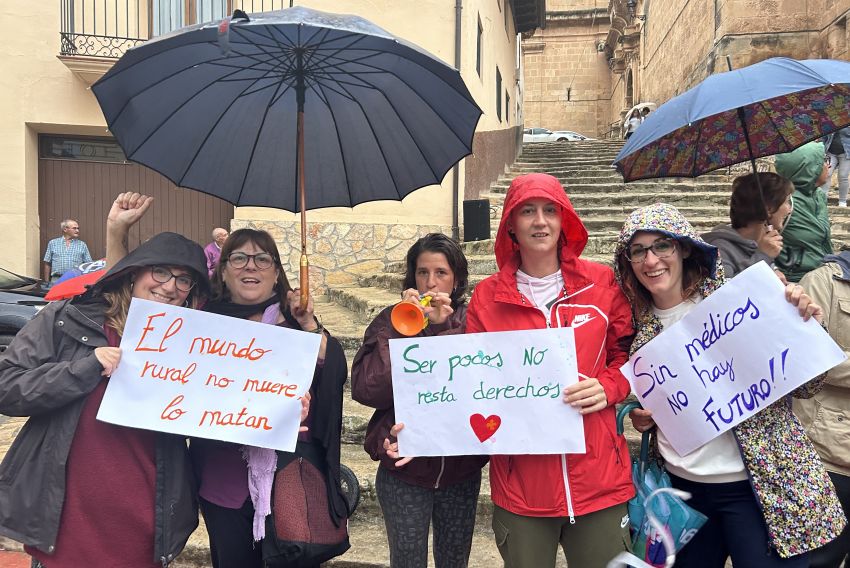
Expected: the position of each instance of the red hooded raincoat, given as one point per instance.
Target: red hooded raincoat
(593, 305)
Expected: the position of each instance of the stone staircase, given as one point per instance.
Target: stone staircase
(602, 200)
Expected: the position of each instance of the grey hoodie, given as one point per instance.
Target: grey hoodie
(736, 252)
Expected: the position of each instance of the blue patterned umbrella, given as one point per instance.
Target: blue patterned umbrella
(768, 108)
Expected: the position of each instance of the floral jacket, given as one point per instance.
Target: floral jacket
(794, 491)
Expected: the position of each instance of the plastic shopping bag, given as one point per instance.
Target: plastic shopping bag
(671, 513)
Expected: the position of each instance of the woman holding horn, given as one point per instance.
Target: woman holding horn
(414, 492)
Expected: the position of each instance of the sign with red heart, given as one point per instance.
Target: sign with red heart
(484, 427)
(486, 393)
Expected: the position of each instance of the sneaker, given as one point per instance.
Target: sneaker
(842, 204)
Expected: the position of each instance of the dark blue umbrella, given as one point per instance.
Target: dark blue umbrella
(295, 109)
(768, 108)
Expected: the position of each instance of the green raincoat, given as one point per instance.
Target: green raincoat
(806, 237)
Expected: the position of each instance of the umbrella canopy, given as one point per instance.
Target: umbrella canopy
(771, 107)
(213, 108)
(73, 286)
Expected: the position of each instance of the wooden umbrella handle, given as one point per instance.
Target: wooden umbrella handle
(305, 280)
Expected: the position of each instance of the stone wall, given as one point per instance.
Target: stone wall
(684, 42)
(566, 86)
(678, 44)
(340, 253)
(492, 152)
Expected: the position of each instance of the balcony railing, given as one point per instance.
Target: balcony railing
(102, 28)
(108, 28)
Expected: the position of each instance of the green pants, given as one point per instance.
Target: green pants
(532, 542)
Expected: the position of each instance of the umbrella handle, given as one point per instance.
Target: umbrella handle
(305, 280)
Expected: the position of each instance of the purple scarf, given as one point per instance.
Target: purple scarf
(262, 463)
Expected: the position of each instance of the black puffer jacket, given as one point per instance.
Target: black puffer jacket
(47, 373)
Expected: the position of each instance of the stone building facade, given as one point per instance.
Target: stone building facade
(597, 58)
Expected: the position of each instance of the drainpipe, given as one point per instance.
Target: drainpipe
(456, 168)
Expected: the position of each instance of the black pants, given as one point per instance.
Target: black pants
(231, 533)
(831, 555)
(735, 529)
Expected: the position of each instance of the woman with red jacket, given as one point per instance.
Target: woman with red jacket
(577, 500)
(416, 492)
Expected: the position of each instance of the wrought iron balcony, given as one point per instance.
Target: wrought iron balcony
(108, 28)
(103, 28)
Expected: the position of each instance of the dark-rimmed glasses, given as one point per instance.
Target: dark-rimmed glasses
(183, 282)
(262, 260)
(661, 248)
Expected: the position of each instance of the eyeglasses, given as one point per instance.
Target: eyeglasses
(262, 260)
(183, 282)
(661, 248)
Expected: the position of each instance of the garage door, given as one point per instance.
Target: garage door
(80, 177)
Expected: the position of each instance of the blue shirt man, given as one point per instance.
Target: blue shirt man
(65, 252)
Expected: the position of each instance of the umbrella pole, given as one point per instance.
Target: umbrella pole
(742, 117)
(304, 264)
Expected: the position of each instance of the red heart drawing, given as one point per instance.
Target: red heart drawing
(484, 427)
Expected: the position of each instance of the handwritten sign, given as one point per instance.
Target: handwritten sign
(734, 354)
(486, 393)
(198, 374)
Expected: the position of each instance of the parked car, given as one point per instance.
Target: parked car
(546, 135)
(20, 299)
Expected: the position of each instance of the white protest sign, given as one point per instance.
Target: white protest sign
(198, 374)
(734, 354)
(486, 393)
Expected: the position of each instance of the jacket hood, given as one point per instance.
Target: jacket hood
(666, 219)
(842, 259)
(803, 166)
(727, 233)
(164, 249)
(535, 186)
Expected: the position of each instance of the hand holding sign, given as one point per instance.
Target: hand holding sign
(587, 396)
(108, 357)
(795, 294)
(392, 447)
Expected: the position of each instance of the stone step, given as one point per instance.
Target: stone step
(569, 176)
(660, 187)
(631, 200)
(574, 162)
(566, 167)
(363, 302)
(478, 264)
(590, 150)
(340, 322)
